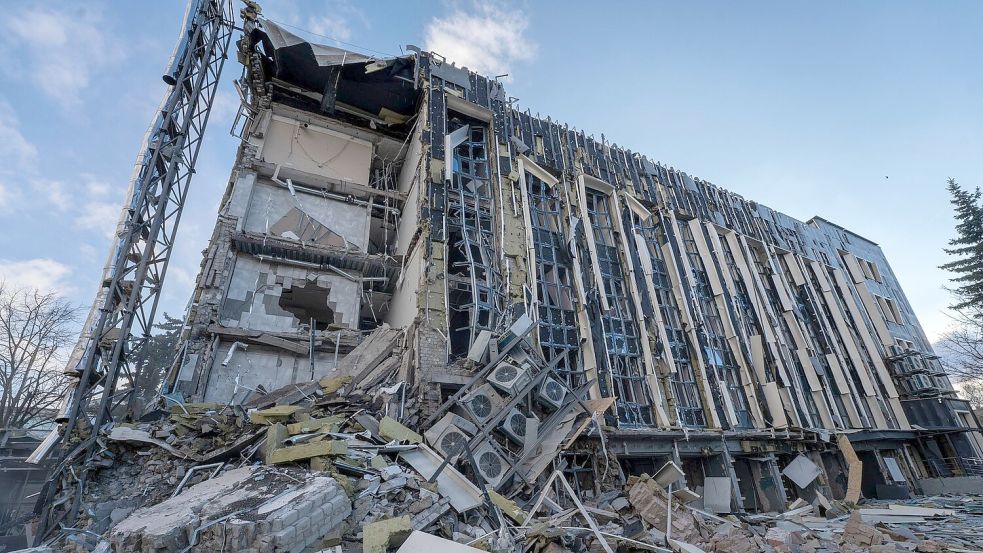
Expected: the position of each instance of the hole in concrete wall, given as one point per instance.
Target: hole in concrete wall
(307, 302)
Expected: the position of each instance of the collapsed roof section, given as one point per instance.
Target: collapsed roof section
(326, 79)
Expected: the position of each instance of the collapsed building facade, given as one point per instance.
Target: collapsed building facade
(412, 195)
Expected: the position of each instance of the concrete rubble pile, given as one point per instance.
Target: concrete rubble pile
(329, 465)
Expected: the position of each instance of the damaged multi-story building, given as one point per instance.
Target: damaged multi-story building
(413, 194)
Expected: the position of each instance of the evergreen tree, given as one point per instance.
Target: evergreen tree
(967, 248)
(153, 360)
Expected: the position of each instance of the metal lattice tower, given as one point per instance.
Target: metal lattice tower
(123, 313)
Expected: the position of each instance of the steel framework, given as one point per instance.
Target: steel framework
(123, 313)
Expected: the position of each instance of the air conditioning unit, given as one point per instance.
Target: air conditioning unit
(451, 441)
(509, 378)
(434, 434)
(482, 403)
(551, 393)
(491, 465)
(514, 426)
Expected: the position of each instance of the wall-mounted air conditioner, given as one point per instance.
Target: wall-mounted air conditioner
(514, 426)
(509, 378)
(491, 465)
(482, 403)
(551, 393)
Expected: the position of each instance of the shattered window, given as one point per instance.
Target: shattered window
(717, 352)
(742, 300)
(806, 406)
(471, 272)
(689, 404)
(558, 330)
(623, 362)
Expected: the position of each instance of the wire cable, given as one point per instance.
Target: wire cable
(310, 32)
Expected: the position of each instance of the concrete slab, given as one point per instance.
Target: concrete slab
(422, 541)
(717, 494)
(451, 484)
(802, 471)
(379, 536)
(308, 450)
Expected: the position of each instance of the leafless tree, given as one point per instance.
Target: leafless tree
(36, 329)
(973, 391)
(961, 348)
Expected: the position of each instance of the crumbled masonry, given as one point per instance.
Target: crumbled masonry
(428, 320)
(362, 495)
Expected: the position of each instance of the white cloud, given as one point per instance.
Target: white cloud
(330, 26)
(328, 19)
(61, 51)
(224, 107)
(487, 38)
(96, 187)
(15, 149)
(47, 275)
(53, 191)
(100, 217)
(6, 197)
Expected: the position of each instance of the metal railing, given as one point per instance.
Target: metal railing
(953, 466)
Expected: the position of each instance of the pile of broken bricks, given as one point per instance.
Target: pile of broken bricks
(333, 466)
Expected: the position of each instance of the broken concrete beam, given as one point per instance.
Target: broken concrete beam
(129, 434)
(194, 409)
(331, 384)
(328, 424)
(854, 468)
(391, 429)
(308, 450)
(277, 413)
(378, 537)
(275, 434)
(376, 347)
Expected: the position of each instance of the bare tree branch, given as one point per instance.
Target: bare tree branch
(36, 330)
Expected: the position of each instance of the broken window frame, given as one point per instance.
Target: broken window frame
(689, 403)
(558, 325)
(623, 362)
(716, 349)
(472, 281)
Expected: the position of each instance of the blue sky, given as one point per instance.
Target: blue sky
(853, 111)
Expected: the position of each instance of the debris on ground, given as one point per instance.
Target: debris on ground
(332, 465)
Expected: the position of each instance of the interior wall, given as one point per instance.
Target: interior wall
(403, 308)
(317, 150)
(271, 202)
(252, 367)
(253, 297)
